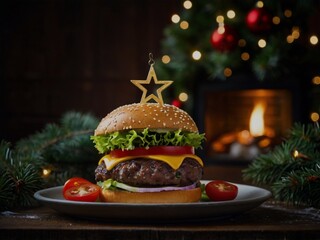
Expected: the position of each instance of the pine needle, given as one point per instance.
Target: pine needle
(62, 146)
(292, 169)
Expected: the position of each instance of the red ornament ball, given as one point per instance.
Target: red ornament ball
(177, 103)
(259, 20)
(224, 39)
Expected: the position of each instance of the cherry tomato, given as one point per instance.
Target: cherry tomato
(87, 192)
(219, 190)
(74, 182)
(159, 150)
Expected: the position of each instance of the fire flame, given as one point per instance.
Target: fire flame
(256, 125)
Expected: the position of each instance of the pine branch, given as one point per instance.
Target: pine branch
(56, 143)
(300, 187)
(292, 169)
(18, 180)
(57, 146)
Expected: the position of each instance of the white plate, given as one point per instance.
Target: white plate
(248, 198)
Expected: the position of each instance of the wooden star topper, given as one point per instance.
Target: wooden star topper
(151, 75)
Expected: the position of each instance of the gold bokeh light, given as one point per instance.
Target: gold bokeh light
(314, 40)
(245, 56)
(262, 43)
(276, 20)
(187, 4)
(231, 14)
(175, 18)
(165, 59)
(196, 55)
(183, 97)
(220, 19)
(227, 72)
(184, 25)
(316, 80)
(314, 117)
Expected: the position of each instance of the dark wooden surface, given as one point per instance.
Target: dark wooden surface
(269, 221)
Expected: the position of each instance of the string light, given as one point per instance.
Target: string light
(276, 20)
(245, 56)
(297, 154)
(314, 116)
(227, 72)
(175, 18)
(262, 43)
(220, 19)
(187, 4)
(313, 40)
(183, 97)
(290, 39)
(231, 14)
(295, 32)
(196, 55)
(260, 4)
(221, 28)
(242, 43)
(46, 172)
(184, 25)
(316, 80)
(165, 59)
(287, 13)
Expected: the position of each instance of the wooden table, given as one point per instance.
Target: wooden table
(269, 221)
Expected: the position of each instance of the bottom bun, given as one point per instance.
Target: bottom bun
(183, 196)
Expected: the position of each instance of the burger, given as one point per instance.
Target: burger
(148, 155)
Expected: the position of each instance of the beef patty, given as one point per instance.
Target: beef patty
(144, 172)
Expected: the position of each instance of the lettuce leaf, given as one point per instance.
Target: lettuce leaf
(128, 140)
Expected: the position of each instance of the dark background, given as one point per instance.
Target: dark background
(62, 55)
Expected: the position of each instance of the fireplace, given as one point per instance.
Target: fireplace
(242, 119)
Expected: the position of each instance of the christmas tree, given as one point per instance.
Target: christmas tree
(266, 41)
(218, 40)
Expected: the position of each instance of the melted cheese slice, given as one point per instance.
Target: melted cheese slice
(173, 160)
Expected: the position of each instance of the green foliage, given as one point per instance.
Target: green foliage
(291, 170)
(278, 61)
(18, 180)
(65, 149)
(60, 142)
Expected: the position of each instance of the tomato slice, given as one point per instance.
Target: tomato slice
(159, 150)
(219, 190)
(74, 182)
(87, 192)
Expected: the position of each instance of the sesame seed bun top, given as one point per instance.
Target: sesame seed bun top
(146, 115)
